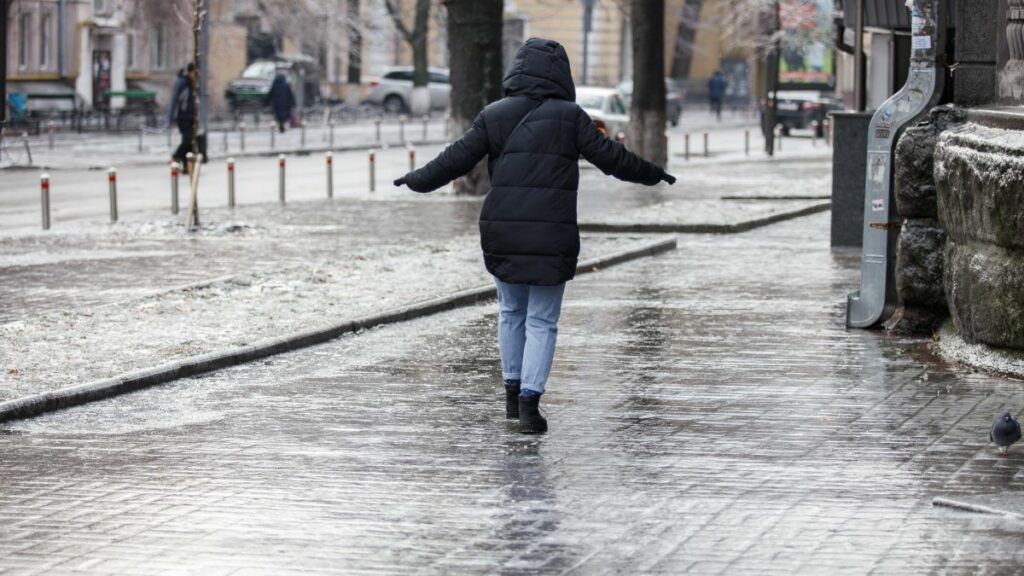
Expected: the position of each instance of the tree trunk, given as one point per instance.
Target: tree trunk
(647, 120)
(355, 53)
(474, 48)
(417, 39)
(193, 205)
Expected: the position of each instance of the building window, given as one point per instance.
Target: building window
(158, 48)
(130, 51)
(45, 38)
(24, 25)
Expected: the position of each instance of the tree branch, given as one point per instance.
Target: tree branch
(397, 17)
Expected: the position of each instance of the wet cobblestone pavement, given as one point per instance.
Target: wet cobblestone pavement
(708, 414)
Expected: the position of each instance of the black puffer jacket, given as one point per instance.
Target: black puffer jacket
(528, 227)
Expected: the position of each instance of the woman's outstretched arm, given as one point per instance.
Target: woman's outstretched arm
(456, 160)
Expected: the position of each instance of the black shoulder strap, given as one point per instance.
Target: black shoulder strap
(519, 125)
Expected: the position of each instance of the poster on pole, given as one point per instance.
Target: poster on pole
(805, 42)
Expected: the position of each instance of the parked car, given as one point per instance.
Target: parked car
(393, 90)
(801, 108)
(606, 107)
(249, 91)
(673, 99)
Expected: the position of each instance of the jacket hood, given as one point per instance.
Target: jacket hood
(540, 70)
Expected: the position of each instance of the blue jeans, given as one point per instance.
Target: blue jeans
(527, 330)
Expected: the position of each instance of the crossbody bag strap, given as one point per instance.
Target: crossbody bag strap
(518, 126)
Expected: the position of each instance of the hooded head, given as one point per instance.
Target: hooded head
(540, 70)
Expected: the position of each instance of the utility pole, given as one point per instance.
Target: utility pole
(588, 26)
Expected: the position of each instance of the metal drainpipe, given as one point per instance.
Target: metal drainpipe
(3, 62)
(62, 29)
(859, 89)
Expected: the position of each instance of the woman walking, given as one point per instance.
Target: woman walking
(533, 138)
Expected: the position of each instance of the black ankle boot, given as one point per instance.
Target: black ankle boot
(512, 399)
(530, 420)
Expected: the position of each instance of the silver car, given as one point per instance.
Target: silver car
(393, 90)
(606, 107)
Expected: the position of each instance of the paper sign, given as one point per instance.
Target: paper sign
(878, 205)
(921, 42)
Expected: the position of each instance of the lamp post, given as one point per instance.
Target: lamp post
(588, 21)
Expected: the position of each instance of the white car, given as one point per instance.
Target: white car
(393, 90)
(606, 108)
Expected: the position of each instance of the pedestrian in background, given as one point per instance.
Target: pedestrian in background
(716, 92)
(183, 112)
(532, 139)
(281, 100)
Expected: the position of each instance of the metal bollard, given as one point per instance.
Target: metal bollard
(620, 138)
(50, 129)
(28, 149)
(330, 174)
(373, 170)
(241, 136)
(280, 177)
(273, 135)
(376, 124)
(175, 171)
(412, 157)
(746, 142)
(44, 189)
(779, 129)
(401, 128)
(142, 132)
(170, 143)
(686, 146)
(828, 132)
(231, 182)
(112, 178)
(814, 133)
(426, 122)
(302, 134)
(190, 162)
(330, 128)
(707, 149)
(226, 142)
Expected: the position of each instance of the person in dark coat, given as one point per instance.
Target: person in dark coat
(716, 92)
(281, 100)
(183, 112)
(533, 139)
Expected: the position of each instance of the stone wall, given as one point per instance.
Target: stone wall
(979, 176)
(919, 253)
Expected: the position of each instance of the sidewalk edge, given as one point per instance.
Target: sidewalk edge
(53, 400)
(736, 228)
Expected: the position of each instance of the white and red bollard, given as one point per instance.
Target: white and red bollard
(330, 174)
(241, 136)
(51, 128)
(231, 182)
(373, 170)
(44, 191)
(280, 178)
(620, 138)
(112, 179)
(175, 172)
(412, 157)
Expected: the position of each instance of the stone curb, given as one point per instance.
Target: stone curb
(705, 228)
(975, 508)
(36, 404)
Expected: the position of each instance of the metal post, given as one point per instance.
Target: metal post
(686, 146)
(330, 128)
(401, 128)
(170, 143)
(330, 175)
(28, 149)
(373, 170)
(142, 133)
(44, 186)
(112, 178)
(273, 135)
(280, 178)
(859, 91)
(707, 151)
(225, 141)
(376, 124)
(241, 136)
(412, 157)
(814, 133)
(50, 128)
(828, 132)
(302, 134)
(620, 138)
(426, 122)
(778, 136)
(231, 182)
(175, 170)
(746, 142)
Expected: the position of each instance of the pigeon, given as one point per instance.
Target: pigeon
(1005, 431)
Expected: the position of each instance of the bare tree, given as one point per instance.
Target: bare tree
(647, 120)
(417, 39)
(355, 51)
(474, 47)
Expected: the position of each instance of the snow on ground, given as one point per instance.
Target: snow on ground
(954, 348)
